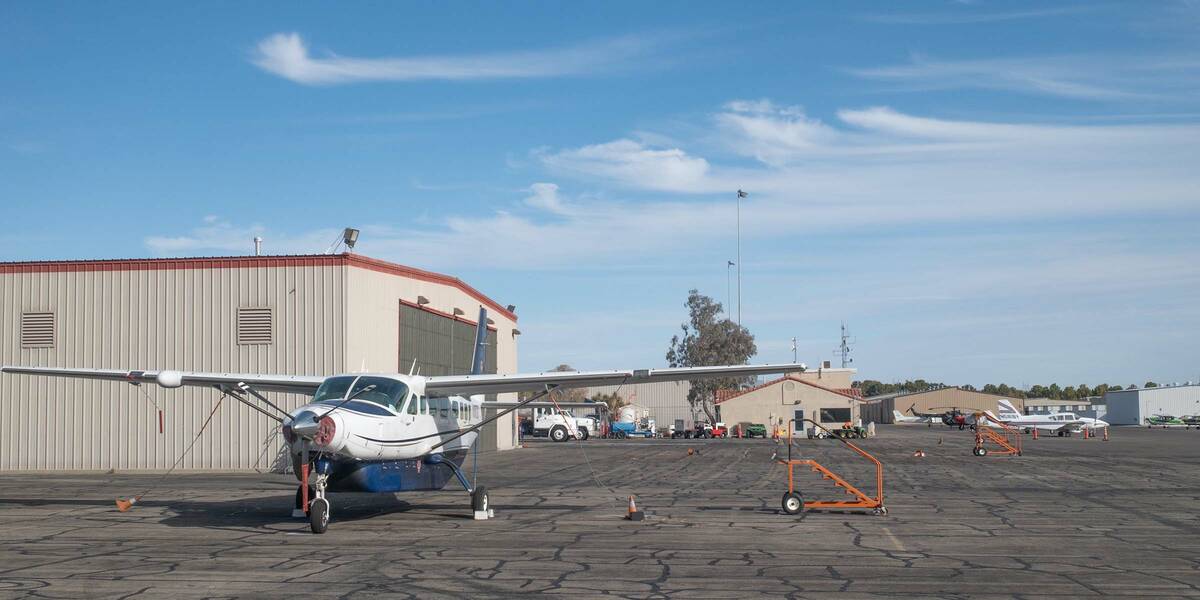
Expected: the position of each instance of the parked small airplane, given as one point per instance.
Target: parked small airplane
(1062, 423)
(901, 419)
(393, 432)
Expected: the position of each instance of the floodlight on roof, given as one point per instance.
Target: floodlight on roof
(350, 237)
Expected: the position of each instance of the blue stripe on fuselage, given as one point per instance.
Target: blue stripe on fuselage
(393, 475)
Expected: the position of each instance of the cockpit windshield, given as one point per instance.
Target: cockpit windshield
(386, 391)
(383, 391)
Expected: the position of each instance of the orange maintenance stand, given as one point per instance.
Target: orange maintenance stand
(1007, 439)
(793, 502)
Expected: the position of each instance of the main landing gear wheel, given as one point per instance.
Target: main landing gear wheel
(793, 504)
(558, 434)
(479, 499)
(318, 515)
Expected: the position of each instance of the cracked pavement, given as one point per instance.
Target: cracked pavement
(1070, 518)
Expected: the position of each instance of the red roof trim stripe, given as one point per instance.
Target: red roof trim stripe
(446, 315)
(247, 262)
(784, 378)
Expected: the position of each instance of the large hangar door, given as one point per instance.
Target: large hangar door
(441, 345)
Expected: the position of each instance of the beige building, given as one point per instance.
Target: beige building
(666, 402)
(302, 315)
(795, 396)
(950, 398)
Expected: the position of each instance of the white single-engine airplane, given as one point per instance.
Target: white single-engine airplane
(900, 418)
(392, 432)
(1061, 423)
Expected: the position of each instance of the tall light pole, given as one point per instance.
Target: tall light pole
(740, 195)
(728, 288)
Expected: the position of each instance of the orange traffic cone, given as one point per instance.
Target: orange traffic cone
(1035, 433)
(634, 514)
(1106, 434)
(690, 452)
(124, 505)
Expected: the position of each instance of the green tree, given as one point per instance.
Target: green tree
(1054, 392)
(709, 341)
(1151, 384)
(614, 401)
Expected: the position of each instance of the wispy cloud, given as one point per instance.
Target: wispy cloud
(634, 164)
(1094, 78)
(217, 236)
(966, 16)
(872, 167)
(287, 55)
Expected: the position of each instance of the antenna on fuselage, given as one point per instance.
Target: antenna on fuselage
(413, 369)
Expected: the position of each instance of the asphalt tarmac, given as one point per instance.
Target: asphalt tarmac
(1069, 518)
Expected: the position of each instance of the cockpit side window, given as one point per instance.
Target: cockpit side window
(414, 406)
(333, 388)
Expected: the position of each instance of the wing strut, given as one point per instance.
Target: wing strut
(477, 426)
(227, 390)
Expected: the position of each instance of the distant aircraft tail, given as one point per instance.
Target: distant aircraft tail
(899, 416)
(477, 359)
(1007, 411)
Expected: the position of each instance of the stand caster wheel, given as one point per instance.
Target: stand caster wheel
(793, 504)
(881, 511)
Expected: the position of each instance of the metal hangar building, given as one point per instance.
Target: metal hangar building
(301, 315)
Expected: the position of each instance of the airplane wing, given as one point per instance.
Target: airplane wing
(467, 385)
(298, 384)
(488, 405)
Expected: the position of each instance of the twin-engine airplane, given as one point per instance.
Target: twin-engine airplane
(393, 432)
(1062, 423)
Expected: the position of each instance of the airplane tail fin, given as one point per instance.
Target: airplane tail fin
(477, 359)
(1007, 410)
(897, 415)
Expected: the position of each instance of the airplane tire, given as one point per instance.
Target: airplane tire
(792, 503)
(558, 434)
(318, 515)
(479, 499)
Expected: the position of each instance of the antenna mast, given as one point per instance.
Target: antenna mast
(843, 350)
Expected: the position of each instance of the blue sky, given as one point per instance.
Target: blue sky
(983, 191)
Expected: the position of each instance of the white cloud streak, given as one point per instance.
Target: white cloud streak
(1093, 78)
(872, 167)
(966, 16)
(287, 55)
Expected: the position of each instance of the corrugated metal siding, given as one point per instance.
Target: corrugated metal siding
(665, 401)
(1133, 407)
(158, 319)
(440, 345)
(944, 399)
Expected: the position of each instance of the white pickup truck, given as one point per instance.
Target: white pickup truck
(559, 426)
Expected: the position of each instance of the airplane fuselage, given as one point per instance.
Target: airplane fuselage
(381, 444)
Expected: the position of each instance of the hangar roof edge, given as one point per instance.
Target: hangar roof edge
(236, 262)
